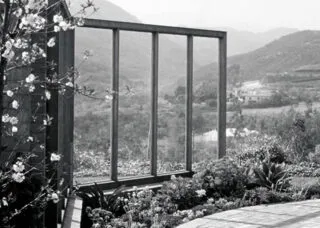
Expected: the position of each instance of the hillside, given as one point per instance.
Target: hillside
(282, 55)
(239, 42)
(135, 51)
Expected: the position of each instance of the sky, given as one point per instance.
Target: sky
(251, 15)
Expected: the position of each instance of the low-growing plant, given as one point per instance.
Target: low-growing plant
(222, 178)
(95, 198)
(272, 176)
(264, 195)
(276, 154)
(184, 192)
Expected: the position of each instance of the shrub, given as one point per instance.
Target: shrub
(95, 198)
(313, 191)
(264, 195)
(138, 206)
(272, 176)
(304, 169)
(100, 217)
(184, 192)
(276, 154)
(222, 178)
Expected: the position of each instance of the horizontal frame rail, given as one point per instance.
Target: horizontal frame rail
(138, 27)
(137, 181)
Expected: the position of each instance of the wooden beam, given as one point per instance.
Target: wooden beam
(136, 181)
(222, 96)
(189, 103)
(154, 103)
(138, 27)
(115, 104)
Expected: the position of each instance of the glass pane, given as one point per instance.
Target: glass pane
(93, 112)
(134, 104)
(172, 103)
(205, 93)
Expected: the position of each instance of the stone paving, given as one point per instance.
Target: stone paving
(303, 214)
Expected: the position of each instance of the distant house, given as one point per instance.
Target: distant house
(250, 92)
(256, 96)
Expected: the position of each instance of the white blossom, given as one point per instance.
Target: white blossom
(69, 84)
(6, 118)
(5, 202)
(9, 93)
(15, 104)
(18, 177)
(14, 129)
(57, 18)
(18, 167)
(31, 88)
(30, 78)
(25, 56)
(48, 94)
(51, 42)
(14, 120)
(56, 28)
(55, 197)
(30, 139)
(64, 25)
(8, 53)
(201, 192)
(55, 157)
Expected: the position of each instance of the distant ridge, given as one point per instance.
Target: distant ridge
(285, 54)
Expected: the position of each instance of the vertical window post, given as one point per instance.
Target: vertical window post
(222, 96)
(189, 103)
(154, 102)
(115, 104)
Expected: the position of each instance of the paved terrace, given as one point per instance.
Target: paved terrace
(303, 214)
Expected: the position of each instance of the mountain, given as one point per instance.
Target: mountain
(239, 42)
(135, 52)
(282, 55)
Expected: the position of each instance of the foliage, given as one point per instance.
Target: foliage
(271, 176)
(95, 198)
(262, 195)
(184, 192)
(304, 169)
(222, 178)
(276, 154)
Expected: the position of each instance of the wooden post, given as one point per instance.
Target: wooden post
(115, 104)
(222, 96)
(154, 103)
(189, 103)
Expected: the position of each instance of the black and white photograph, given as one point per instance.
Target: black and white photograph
(159, 114)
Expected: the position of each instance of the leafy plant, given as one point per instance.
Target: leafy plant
(272, 176)
(95, 198)
(276, 154)
(222, 178)
(184, 192)
(264, 195)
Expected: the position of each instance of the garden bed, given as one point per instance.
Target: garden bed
(222, 185)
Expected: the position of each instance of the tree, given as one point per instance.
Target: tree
(28, 29)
